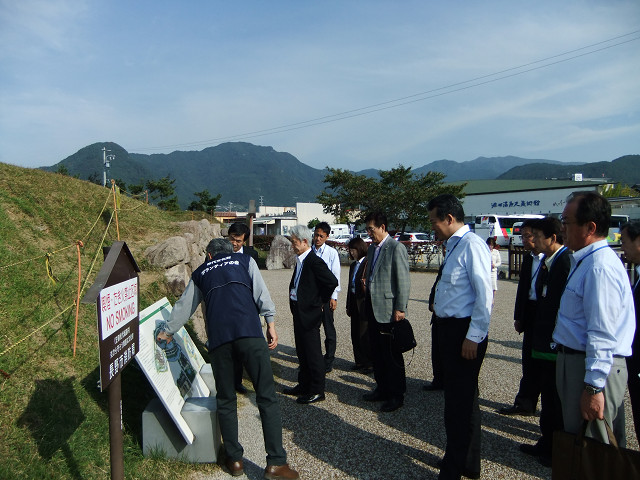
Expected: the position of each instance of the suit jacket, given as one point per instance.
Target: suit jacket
(250, 251)
(548, 305)
(524, 284)
(315, 287)
(389, 283)
(634, 359)
(355, 301)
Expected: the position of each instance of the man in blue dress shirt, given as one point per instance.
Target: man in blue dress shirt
(596, 321)
(462, 308)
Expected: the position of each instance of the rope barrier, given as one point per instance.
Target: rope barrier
(75, 333)
(36, 330)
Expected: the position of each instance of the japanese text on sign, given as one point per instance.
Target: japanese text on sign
(118, 306)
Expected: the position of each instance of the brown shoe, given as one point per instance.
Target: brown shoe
(280, 472)
(236, 468)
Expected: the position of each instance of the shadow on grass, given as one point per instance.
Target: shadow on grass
(52, 416)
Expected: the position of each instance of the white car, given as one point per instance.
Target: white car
(412, 237)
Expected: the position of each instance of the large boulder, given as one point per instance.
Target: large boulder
(177, 278)
(202, 231)
(281, 254)
(171, 252)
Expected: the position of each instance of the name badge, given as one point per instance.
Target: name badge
(293, 295)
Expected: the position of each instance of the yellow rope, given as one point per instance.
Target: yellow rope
(37, 330)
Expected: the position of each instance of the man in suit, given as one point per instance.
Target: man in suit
(631, 248)
(550, 282)
(462, 308)
(311, 287)
(238, 234)
(524, 314)
(355, 305)
(332, 259)
(387, 295)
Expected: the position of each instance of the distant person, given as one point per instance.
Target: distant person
(462, 306)
(310, 289)
(387, 286)
(235, 297)
(238, 234)
(524, 314)
(496, 261)
(596, 322)
(332, 259)
(355, 305)
(556, 263)
(631, 247)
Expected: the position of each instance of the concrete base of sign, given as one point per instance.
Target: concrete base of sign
(160, 436)
(206, 372)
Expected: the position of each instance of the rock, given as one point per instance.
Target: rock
(171, 252)
(281, 254)
(177, 278)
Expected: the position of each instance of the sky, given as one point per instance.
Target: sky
(345, 84)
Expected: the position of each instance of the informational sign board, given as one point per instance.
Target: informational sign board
(172, 369)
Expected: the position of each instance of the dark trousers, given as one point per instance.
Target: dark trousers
(330, 336)
(551, 410)
(360, 338)
(309, 350)
(388, 366)
(237, 373)
(461, 407)
(254, 355)
(436, 359)
(529, 392)
(633, 367)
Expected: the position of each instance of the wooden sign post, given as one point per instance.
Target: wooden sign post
(116, 293)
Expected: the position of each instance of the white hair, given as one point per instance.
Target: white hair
(301, 232)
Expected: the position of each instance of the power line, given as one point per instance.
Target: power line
(422, 96)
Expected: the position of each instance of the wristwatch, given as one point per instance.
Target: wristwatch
(591, 390)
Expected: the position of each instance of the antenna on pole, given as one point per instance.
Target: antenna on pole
(106, 164)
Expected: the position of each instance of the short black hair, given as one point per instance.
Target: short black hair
(592, 207)
(632, 227)
(324, 226)
(529, 223)
(359, 245)
(549, 226)
(378, 219)
(446, 204)
(219, 245)
(239, 228)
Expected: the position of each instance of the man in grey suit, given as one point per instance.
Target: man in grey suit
(387, 294)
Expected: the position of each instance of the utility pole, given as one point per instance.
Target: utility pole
(106, 163)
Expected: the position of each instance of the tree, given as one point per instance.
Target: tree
(137, 189)
(312, 223)
(400, 194)
(96, 178)
(164, 191)
(620, 190)
(205, 202)
(62, 170)
(120, 183)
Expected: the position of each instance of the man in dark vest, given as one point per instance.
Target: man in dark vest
(235, 296)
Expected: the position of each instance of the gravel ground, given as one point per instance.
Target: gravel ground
(347, 438)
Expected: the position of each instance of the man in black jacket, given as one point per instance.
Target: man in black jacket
(310, 289)
(550, 283)
(524, 314)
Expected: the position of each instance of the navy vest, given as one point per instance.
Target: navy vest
(228, 295)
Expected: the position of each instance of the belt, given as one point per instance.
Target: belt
(571, 351)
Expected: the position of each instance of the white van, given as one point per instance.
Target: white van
(499, 226)
(339, 230)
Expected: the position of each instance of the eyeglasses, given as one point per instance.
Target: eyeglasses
(372, 229)
(528, 235)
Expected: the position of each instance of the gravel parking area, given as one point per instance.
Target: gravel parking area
(347, 438)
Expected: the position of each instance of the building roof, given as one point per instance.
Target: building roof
(479, 187)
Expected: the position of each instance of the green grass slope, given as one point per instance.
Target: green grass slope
(53, 418)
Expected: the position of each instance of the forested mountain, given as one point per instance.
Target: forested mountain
(624, 169)
(243, 171)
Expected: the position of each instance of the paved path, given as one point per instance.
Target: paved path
(347, 438)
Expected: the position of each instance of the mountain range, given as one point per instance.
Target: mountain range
(242, 171)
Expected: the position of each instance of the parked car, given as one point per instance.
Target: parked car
(412, 237)
(516, 236)
(342, 238)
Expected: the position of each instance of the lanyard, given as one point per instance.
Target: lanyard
(449, 253)
(578, 264)
(297, 277)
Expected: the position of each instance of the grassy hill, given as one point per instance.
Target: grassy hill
(53, 418)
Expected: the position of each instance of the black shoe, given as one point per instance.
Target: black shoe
(374, 396)
(297, 390)
(241, 388)
(465, 472)
(315, 397)
(432, 387)
(516, 410)
(392, 404)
